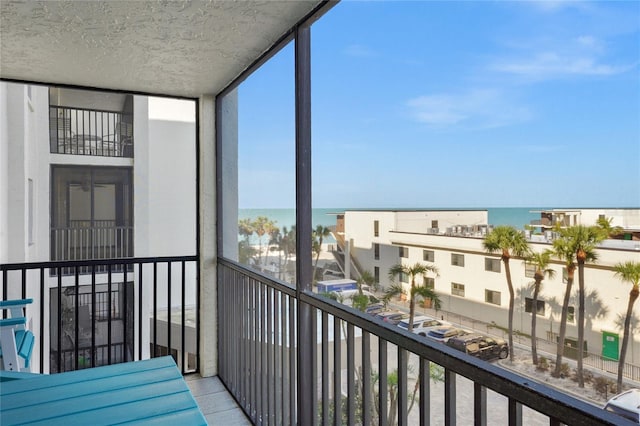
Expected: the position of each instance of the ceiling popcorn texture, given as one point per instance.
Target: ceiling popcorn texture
(179, 48)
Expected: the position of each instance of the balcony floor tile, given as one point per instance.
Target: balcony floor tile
(216, 404)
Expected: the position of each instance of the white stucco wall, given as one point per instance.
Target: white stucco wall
(611, 293)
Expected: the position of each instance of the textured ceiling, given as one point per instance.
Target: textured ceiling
(180, 48)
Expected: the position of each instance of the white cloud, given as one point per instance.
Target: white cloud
(360, 51)
(583, 55)
(473, 109)
(554, 64)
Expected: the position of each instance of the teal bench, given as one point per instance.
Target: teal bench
(16, 341)
(149, 392)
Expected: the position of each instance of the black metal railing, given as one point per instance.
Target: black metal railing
(100, 241)
(137, 308)
(364, 370)
(81, 131)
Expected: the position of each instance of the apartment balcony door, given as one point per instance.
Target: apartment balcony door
(91, 213)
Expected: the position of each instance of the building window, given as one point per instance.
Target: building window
(529, 270)
(376, 251)
(428, 255)
(429, 282)
(434, 224)
(376, 274)
(376, 228)
(492, 265)
(492, 297)
(457, 259)
(528, 306)
(404, 252)
(404, 278)
(457, 289)
(571, 314)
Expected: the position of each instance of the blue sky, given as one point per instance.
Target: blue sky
(455, 104)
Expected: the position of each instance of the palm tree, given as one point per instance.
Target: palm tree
(582, 240)
(509, 242)
(319, 234)
(627, 272)
(397, 271)
(262, 226)
(564, 252)
(605, 225)
(541, 261)
(366, 278)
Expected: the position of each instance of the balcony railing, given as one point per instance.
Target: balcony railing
(100, 241)
(364, 371)
(82, 131)
(138, 308)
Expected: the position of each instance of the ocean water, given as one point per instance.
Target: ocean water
(513, 216)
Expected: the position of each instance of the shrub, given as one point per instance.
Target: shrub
(604, 386)
(565, 370)
(587, 376)
(543, 364)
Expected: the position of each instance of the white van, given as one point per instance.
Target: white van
(626, 404)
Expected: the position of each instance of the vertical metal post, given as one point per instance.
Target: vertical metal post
(168, 310)
(479, 405)
(425, 392)
(449, 398)
(403, 358)
(306, 336)
(42, 303)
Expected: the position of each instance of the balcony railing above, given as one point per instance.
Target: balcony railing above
(100, 241)
(80, 131)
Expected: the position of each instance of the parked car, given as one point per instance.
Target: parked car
(374, 308)
(393, 317)
(422, 324)
(626, 404)
(480, 346)
(443, 334)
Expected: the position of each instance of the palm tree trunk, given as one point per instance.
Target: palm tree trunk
(633, 295)
(563, 324)
(534, 314)
(315, 267)
(393, 407)
(412, 305)
(580, 323)
(507, 271)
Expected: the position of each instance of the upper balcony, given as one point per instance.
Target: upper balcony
(90, 123)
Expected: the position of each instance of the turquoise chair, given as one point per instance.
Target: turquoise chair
(16, 341)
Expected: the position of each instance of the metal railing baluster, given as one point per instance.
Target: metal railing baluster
(425, 392)
(337, 372)
(403, 358)
(351, 386)
(449, 397)
(325, 369)
(366, 378)
(515, 413)
(479, 404)
(383, 389)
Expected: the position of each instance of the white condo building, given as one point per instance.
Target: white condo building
(88, 176)
(471, 283)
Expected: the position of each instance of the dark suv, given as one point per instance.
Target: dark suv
(483, 347)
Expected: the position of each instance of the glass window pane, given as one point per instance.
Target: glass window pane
(259, 176)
